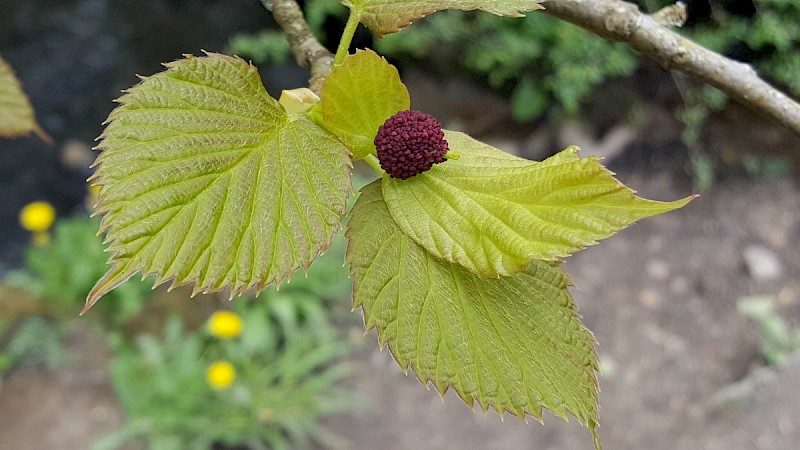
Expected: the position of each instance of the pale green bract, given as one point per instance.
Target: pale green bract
(494, 213)
(16, 114)
(388, 16)
(513, 343)
(358, 96)
(206, 179)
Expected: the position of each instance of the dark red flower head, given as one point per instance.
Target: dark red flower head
(410, 143)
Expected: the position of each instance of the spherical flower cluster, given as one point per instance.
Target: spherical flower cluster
(220, 375)
(410, 143)
(225, 325)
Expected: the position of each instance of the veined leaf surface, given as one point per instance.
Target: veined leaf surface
(16, 114)
(513, 343)
(357, 98)
(388, 16)
(494, 213)
(206, 179)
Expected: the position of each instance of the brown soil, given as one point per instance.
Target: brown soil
(65, 409)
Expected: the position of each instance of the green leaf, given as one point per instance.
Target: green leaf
(513, 343)
(16, 114)
(493, 212)
(206, 179)
(388, 16)
(357, 98)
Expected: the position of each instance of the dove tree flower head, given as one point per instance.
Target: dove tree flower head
(409, 143)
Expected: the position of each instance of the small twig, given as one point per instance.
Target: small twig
(307, 50)
(621, 21)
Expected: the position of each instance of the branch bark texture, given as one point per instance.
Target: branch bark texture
(307, 50)
(621, 21)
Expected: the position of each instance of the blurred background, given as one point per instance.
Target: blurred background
(697, 312)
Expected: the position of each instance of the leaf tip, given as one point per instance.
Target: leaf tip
(680, 203)
(113, 278)
(595, 436)
(41, 134)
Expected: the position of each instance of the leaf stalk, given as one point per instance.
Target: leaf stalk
(373, 162)
(347, 38)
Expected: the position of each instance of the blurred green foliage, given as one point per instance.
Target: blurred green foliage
(33, 342)
(760, 167)
(698, 103)
(778, 340)
(271, 47)
(6, 359)
(65, 269)
(770, 39)
(702, 170)
(265, 47)
(549, 62)
(287, 369)
(286, 380)
(62, 272)
(326, 279)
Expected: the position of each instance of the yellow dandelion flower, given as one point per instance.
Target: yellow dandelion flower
(37, 216)
(225, 325)
(220, 375)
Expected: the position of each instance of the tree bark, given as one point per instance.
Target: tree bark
(307, 50)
